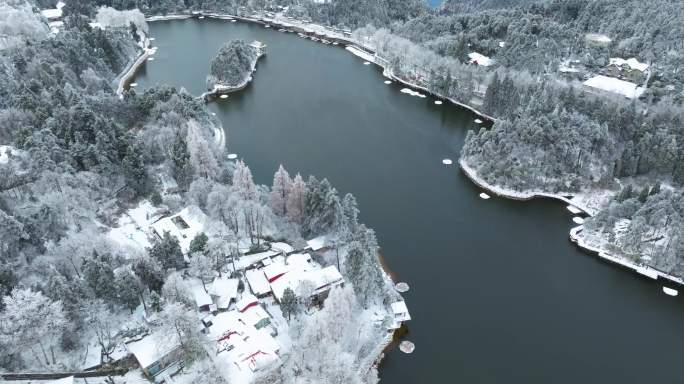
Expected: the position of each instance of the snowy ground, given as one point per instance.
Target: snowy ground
(133, 226)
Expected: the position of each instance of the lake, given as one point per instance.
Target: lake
(498, 293)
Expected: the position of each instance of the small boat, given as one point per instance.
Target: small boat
(438, 102)
(670, 291)
(484, 196)
(447, 161)
(324, 41)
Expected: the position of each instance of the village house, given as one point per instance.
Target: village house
(157, 354)
(223, 291)
(630, 70)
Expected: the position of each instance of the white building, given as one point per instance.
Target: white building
(479, 59)
(156, 353)
(632, 63)
(258, 282)
(224, 291)
(613, 85)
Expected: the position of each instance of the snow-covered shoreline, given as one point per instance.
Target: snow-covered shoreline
(575, 237)
(128, 74)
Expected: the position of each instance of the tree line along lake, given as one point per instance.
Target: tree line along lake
(498, 293)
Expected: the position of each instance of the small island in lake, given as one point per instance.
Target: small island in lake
(233, 66)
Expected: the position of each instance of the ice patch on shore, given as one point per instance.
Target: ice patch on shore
(411, 92)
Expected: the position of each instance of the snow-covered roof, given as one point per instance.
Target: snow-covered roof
(260, 360)
(254, 316)
(225, 289)
(246, 302)
(274, 271)
(317, 243)
(611, 84)
(597, 37)
(257, 282)
(282, 247)
(400, 311)
(184, 226)
(301, 261)
(502, 44)
(480, 59)
(225, 323)
(322, 280)
(201, 296)
(632, 63)
(152, 347)
(249, 260)
(51, 14)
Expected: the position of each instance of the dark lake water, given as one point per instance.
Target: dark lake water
(498, 293)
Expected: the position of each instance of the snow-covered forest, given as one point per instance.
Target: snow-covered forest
(232, 65)
(91, 182)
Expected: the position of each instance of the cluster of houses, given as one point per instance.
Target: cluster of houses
(239, 311)
(621, 77)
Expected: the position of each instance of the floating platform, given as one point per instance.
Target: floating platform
(402, 287)
(407, 346)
